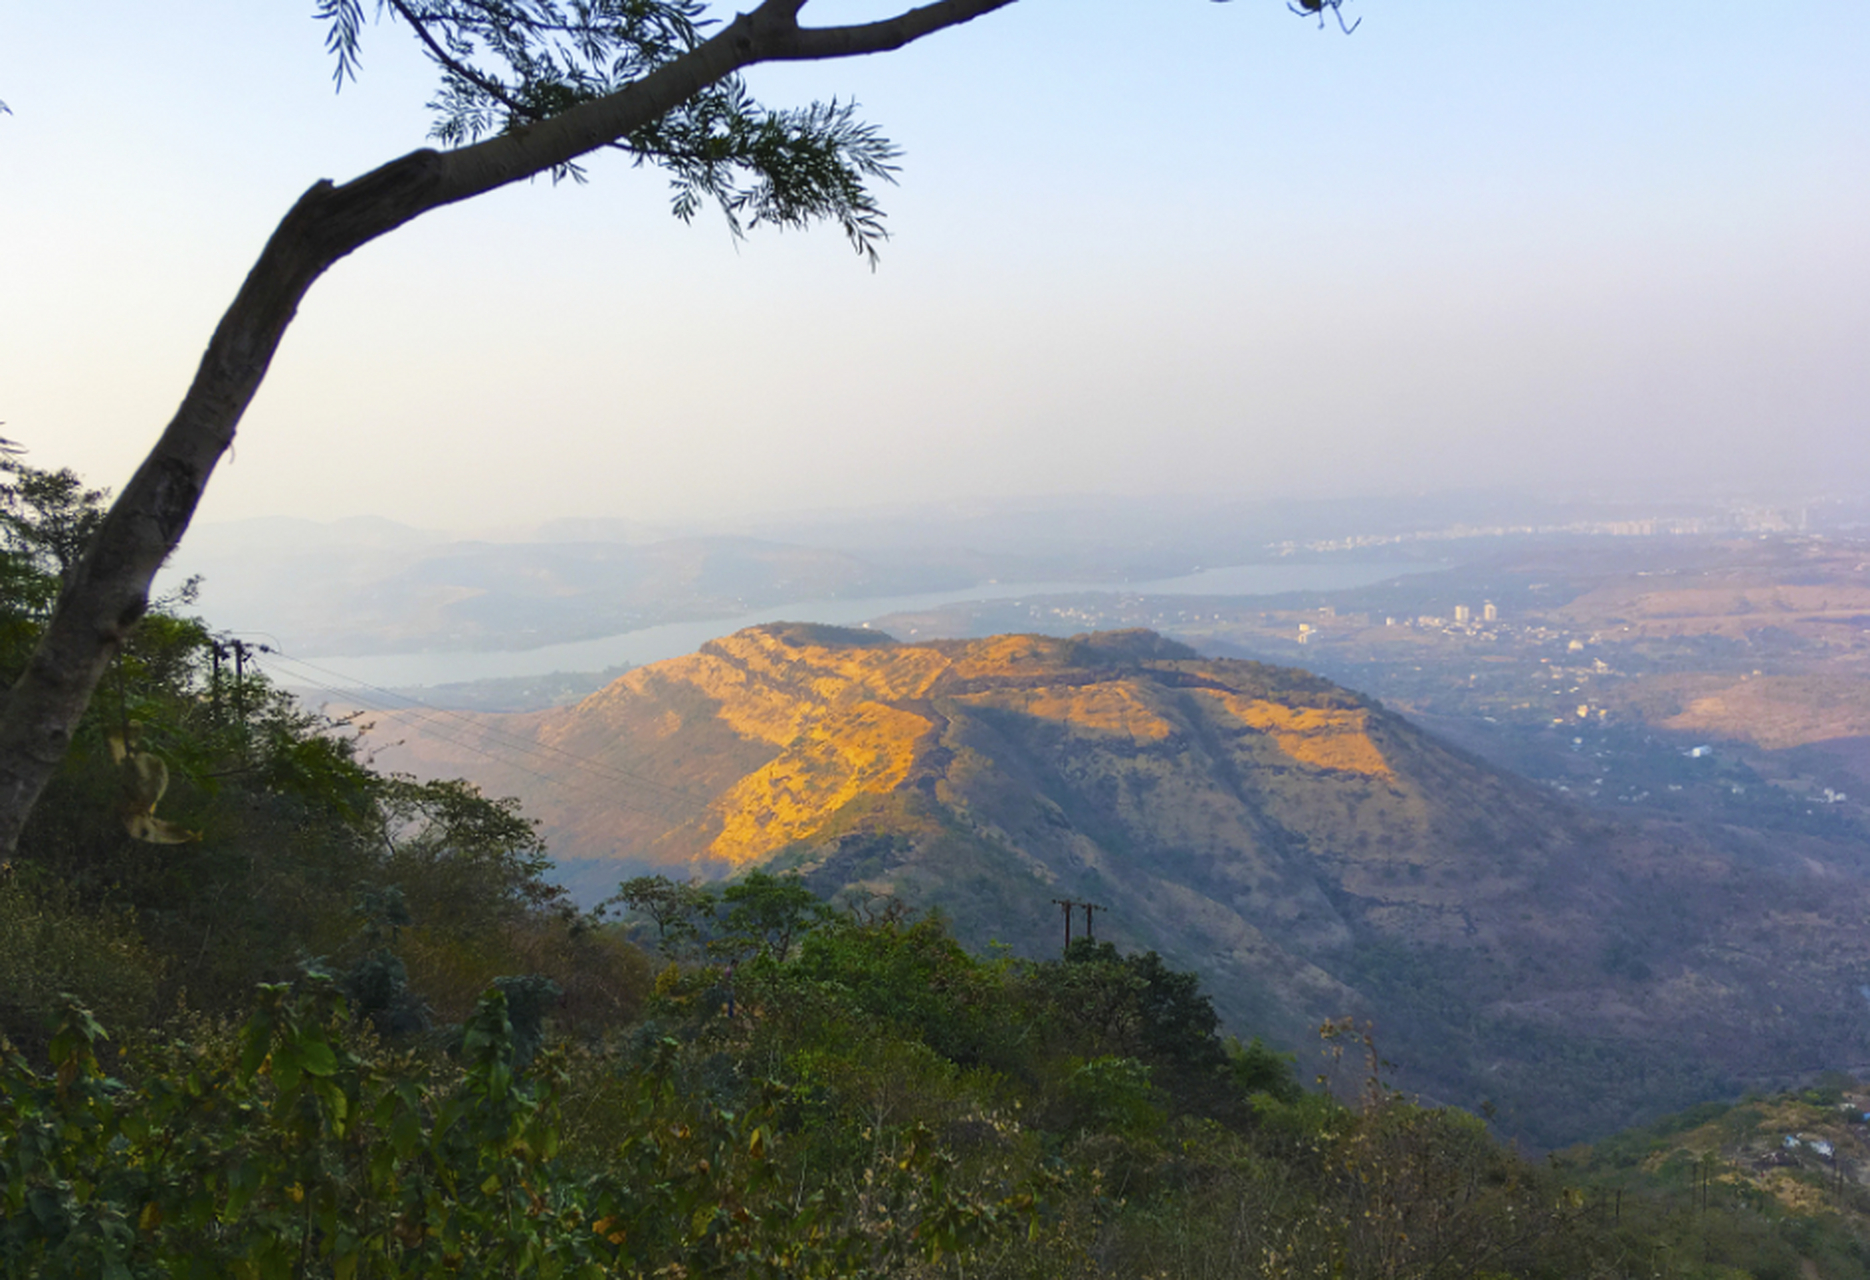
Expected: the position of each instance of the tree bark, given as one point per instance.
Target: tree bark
(109, 590)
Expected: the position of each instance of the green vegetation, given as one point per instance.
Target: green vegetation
(878, 1102)
(327, 1023)
(281, 851)
(1768, 1187)
(884, 1103)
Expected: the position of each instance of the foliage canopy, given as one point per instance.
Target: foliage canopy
(353, 1032)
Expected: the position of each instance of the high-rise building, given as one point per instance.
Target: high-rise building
(1488, 613)
(1462, 615)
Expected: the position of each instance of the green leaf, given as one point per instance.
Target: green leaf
(243, 1180)
(337, 1106)
(405, 1133)
(314, 1054)
(287, 1071)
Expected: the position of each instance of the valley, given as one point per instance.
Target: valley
(1603, 668)
(1309, 852)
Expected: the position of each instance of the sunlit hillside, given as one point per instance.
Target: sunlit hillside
(1306, 851)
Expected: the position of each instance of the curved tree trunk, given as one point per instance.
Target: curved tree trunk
(109, 590)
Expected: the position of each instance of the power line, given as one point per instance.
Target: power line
(436, 721)
(530, 746)
(442, 734)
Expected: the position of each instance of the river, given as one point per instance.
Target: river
(671, 640)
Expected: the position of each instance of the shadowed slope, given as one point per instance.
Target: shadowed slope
(1308, 853)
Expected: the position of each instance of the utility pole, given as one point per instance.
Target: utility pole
(1067, 905)
(242, 651)
(240, 674)
(217, 652)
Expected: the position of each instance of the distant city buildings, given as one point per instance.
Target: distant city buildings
(1464, 616)
(1738, 519)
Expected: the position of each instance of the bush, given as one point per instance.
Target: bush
(49, 949)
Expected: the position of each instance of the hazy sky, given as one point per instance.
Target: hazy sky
(1141, 246)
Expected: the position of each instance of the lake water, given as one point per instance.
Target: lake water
(672, 640)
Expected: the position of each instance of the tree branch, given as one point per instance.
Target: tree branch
(812, 43)
(769, 34)
(108, 591)
(492, 88)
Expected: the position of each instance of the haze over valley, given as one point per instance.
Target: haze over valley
(549, 596)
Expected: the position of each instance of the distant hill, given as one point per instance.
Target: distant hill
(368, 586)
(1773, 1185)
(1308, 853)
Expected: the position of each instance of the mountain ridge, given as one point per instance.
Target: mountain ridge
(1309, 853)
